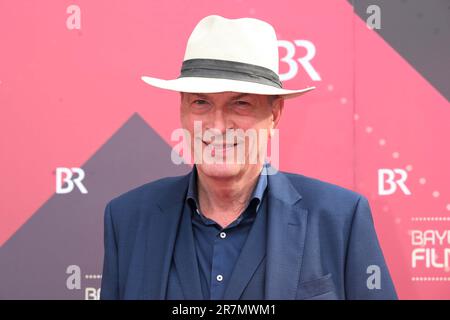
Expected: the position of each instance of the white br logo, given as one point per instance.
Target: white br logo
(387, 176)
(305, 61)
(65, 175)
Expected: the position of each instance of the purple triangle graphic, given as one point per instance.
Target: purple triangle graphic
(68, 228)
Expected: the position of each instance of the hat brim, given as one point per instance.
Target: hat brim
(215, 85)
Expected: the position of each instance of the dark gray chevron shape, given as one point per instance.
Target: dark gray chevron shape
(419, 30)
(68, 228)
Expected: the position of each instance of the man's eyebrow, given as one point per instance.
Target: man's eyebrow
(199, 95)
(206, 97)
(239, 96)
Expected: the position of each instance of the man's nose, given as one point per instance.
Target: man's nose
(220, 121)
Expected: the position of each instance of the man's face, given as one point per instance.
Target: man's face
(219, 112)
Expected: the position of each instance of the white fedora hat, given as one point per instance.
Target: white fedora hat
(239, 55)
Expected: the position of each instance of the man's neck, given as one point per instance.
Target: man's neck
(223, 200)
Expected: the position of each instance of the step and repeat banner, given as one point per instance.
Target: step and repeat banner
(78, 127)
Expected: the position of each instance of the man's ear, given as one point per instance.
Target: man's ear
(277, 109)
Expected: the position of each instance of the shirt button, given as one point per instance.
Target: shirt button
(223, 235)
(219, 277)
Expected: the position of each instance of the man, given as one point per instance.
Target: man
(238, 229)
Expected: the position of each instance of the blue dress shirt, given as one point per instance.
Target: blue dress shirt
(218, 248)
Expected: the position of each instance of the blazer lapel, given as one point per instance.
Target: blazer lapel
(285, 239)
(186, 259)
(250, 257)
(161, 234)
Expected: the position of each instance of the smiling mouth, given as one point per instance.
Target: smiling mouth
(223, 145)
(220, 147)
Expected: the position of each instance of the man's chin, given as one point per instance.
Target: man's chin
(220, 170)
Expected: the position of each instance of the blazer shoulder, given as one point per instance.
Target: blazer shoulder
(318, 192)
(150, 193)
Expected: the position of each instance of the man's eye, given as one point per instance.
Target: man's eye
(200, 102)
(242, 103)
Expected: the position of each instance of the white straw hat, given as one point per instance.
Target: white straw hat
(239, 55)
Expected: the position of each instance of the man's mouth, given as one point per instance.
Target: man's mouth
(220, 145)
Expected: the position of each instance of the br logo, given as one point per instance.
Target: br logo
(293, 62)
(68, 178)
(390, 179)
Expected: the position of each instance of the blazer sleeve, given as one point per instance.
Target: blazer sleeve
(366, 273)
(110, 287)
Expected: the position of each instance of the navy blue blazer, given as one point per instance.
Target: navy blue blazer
(320, 243)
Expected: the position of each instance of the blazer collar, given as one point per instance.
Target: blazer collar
(286, 233)
(163, 221)
(251, 256)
